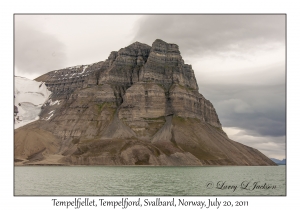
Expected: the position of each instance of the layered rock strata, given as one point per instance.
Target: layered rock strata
(141, 106)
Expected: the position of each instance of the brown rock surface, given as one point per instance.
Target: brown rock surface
(141, 106)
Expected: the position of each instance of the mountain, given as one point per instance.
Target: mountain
(279, 162)
(141, 106)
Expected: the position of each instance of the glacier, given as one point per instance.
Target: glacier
(29, 97)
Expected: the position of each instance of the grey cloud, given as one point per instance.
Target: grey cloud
(260, 110)
(36, 51)
(204, 34)
(273, 75)
(237, 105)
(256, 124)
(267, 140)
(269, 145)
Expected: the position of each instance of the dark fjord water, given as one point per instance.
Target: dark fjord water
(149, 181)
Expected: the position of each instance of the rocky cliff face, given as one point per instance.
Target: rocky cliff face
(141, 106)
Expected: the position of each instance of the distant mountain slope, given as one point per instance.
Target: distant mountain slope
(279, 162)
(29, 97)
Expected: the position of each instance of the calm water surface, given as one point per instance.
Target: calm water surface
(156, 181)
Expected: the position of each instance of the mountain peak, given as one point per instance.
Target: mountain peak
(138, 45)
(163, 47)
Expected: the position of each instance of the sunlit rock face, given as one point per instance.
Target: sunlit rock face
(141, 106)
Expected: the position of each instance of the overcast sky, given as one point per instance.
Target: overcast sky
(239, 60)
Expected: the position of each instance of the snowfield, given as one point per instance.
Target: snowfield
(29, 96)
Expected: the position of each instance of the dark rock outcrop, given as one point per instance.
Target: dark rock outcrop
(141, 106)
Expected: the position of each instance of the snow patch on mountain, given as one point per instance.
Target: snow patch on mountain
(29, 97)
(52, 103)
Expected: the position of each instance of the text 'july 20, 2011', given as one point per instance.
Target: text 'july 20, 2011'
(124, 203)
